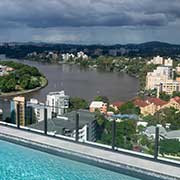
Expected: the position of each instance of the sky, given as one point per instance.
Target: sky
(90, 21)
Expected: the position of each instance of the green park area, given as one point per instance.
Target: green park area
(21, 79)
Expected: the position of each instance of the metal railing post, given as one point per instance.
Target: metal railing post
(45, 121)
(156, 146)
(77, 128)
(113, 134)
(18, 115)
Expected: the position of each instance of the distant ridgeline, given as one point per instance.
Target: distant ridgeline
(18, 77)
(20, 50)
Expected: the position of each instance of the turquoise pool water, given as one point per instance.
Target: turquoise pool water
(21, 163)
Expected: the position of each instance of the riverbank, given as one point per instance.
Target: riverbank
(44, 83)
(83, 82)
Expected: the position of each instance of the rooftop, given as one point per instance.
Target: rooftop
(156, 101)
(177, 99)
(118, 103)
(140, 103)
(57, 93)
(173, 134)
(152, 130)
(67, 121)
(96, 104)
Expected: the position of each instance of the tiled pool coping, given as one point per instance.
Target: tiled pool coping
(118, 162)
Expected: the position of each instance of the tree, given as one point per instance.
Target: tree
(175, 93)
(170, 146)
(125, 133)
(101, 122)
(25, 81)
(78, 103)
(164, 116)
(23, 77)
(102, 98)
(144, 140)
(164, 96)
(11, 85)
(129, 108)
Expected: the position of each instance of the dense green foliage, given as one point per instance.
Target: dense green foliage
(175, 93)
(129, 108)
(78, 103)
(170, 146)
(23, 77)
(102, 98)
(167, 115)
(147, 145)
(125, 132)
(164, 96)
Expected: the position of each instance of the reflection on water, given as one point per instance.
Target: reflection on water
(85, 83)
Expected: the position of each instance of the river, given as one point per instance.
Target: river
(84, 83)
(78, 82)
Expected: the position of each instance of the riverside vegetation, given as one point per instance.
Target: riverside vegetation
(22, 78)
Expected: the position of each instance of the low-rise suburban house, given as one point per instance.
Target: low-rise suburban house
(173, 102)
(116, 105)
(150, 132)
(98, 105)
(173, 135)
(149, 106)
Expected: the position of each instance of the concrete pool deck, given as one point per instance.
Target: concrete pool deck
(113, 159)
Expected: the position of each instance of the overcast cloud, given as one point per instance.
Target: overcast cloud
(90, 21)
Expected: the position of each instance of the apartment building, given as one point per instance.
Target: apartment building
(19, 100)
(158, 60)
(159, 75)
(57, 104)
(35, 111)
(168, 87)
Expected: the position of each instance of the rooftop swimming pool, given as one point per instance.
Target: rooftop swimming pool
(21, 163)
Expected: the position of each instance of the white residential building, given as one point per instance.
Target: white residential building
(178, 69)
(35, 111)
(67, 56)
(82, 55)
(168, 62)
(57, 104)
(159, 75)
(158, 60)
(98, 105)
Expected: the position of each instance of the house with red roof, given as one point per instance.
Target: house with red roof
(157, 102)
(150, 105)
(116, 105)
(174, 102)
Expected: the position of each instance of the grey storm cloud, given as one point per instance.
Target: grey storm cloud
(75, 13)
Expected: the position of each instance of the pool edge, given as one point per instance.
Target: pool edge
(102, 163)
